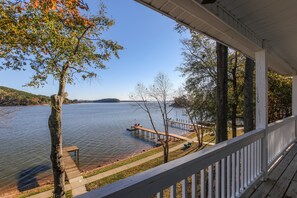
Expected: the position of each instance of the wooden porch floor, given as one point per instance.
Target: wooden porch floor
(282, 180)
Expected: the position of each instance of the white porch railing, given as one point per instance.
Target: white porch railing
(279, 135)
(223, 170)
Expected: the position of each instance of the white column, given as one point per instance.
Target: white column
(262, 102)
(294, 101)
(261, 90)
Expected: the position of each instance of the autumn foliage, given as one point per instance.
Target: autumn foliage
(56, 38)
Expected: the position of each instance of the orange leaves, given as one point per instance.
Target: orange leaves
(45, 51)
(69, 6)
(19, 9)
(36, 4)
(45, 5)
(54, 4)
(67, 11)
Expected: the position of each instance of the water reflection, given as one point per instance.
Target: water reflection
(27, 178)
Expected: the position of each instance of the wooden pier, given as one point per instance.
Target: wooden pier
(73, 174)
(183, 124)
(149, 133)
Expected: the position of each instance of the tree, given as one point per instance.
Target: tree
(235, 78)
(279, 96)
(14, 36)
(157, 96)
(64, 44)
(222, 93)
(200, 70)
(205, 66)
(199, 107)
(199, 66)
(248, 95)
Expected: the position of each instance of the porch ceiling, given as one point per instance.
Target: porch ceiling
(246, 25)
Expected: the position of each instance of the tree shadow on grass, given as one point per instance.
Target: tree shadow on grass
(27, 178)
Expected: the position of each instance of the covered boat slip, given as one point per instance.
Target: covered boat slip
(265, 31)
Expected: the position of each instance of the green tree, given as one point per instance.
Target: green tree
(64, 44)
(279, 96)
(248, 111)
(14, 36)
(199, 66)
(205, 64)
(199, 105)
(200, 69)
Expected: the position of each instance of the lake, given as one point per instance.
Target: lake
(98, 129)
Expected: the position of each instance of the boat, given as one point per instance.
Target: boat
(158, 144)
(131, 129)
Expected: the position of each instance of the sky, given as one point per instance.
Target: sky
(151, 45)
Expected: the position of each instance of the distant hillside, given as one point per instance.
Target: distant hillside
(13, 97)
(107, 100)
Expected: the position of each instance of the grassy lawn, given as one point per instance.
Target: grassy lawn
(40, 190)
(35, 191)
(129, 160)
(156, 162)
(132, 171)
(148, 165)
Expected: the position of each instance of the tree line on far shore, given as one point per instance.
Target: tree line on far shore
(13, 97)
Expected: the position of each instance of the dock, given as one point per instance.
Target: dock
(76, 180)
(183, 124)
(149, 133)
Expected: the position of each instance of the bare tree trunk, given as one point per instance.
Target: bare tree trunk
(164, 145)
(165, 153)
(166, 126)
(55, 127)
(235, 97)
(222, 93)
(202, 135)
(195, 126)
(201, 131)
(248, 116)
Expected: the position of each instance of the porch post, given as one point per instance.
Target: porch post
(294, 102)
(262, 103)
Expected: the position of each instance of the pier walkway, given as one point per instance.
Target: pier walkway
(151, 133)
(73, 174)
(76, 180)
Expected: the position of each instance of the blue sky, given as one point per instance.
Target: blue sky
(151, 46)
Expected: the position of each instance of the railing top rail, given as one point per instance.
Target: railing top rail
(278, 124)
(163, 176)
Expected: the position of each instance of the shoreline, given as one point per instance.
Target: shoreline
(48, 180)
(47, 183)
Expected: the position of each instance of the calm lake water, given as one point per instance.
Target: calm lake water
(99, 130)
